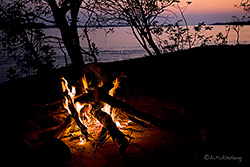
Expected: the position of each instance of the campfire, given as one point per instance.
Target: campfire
(95, 118)
(98, 114)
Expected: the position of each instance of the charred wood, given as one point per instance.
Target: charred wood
(131, 111)
(76, 117)
(59, 131)
(117, 136)
(86, 97)
(101, 139)
(136, 115)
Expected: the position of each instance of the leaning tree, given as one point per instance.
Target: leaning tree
(143, 16)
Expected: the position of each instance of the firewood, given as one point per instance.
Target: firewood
(101, 139)
(130, 110)
(87, 98)
(76, 117)
(59, 131)
(133, 113)
(117, 136)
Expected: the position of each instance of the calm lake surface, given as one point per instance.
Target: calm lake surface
(122, 45)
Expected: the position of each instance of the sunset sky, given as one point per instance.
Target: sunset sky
(211, 11)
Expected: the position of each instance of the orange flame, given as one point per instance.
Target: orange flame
(85, 84)
(116, 83)
(71, 92)
(66, 105)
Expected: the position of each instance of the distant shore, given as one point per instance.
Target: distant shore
(216, 23)
(44, 26)
(232, 23)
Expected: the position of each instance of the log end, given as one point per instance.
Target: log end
(123, 147)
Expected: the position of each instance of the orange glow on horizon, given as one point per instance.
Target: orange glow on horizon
(212, 6)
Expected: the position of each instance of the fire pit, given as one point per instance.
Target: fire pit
(95, 117)
(98, 115)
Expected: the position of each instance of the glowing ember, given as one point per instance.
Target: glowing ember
(106, 108)
(78, 107)
(82, 141)
(66, 105)
(118, 124)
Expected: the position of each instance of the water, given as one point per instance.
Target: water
(121, 45)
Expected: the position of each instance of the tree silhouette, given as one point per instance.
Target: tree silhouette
(68, 28)
(23, 40)
(182, 11)
(245, 5)
(23, 27)
(141, 15)
(237, 22)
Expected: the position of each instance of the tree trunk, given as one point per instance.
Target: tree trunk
(76, 49)
(69, 33)
(145, 36)
(153, 45)
(142, 41)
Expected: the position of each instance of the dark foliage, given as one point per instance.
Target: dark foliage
(23, 40)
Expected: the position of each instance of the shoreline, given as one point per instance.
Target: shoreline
(193, 52)
(44, 26)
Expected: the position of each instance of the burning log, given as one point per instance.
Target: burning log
(71, 108)
(104, 118)
(130, 110)
(59, 131)
(117, 136)
(101, 139)
(76, 117)
(133, 113)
